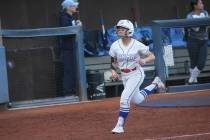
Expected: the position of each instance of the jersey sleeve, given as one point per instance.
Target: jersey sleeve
(112, 52)
(143, 49)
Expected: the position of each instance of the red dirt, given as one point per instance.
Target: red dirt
(94, 121)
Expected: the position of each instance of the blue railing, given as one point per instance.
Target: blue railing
(157, 26)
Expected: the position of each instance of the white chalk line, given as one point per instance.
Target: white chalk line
(181, 136)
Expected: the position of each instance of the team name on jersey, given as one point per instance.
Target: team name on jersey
(126, 57)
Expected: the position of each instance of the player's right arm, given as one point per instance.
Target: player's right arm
(112, 53)
(115, 75)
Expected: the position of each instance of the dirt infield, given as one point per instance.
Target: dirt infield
(94, 121)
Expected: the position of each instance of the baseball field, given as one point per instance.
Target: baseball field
(94, 120)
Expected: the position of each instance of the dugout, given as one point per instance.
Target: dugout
(31, 81)
(27, 14)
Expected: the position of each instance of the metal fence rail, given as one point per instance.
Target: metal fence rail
(41, 32)
(75, 31)
(157, 25)
(158, 44)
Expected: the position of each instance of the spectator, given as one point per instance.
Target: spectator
(68, 57)
(197, 41)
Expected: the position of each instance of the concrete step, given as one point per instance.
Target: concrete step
(43, 102)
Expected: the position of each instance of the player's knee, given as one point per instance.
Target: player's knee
(138, 99)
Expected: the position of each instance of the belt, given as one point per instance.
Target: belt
(128, 70)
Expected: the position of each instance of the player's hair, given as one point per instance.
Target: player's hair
(192, 5)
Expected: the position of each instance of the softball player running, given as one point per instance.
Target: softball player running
(129, 55)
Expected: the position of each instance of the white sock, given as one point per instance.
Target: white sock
(191, 79)
(195, 74)
(120, 121)
(151, 87)
(196, 80)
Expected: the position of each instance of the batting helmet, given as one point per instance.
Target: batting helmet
(128, 25)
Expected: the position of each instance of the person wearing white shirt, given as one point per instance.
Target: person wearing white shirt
(128, 56)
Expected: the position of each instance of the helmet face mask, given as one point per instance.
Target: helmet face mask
(126, 24)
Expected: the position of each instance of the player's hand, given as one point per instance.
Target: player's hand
(78, 22)
(142, 62)
(115, 76)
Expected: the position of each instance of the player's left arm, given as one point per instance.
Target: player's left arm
(149, 57)
(146, 55)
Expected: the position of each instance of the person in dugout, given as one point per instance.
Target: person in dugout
(67, 50)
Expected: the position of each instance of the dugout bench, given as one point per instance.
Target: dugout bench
(177, 74)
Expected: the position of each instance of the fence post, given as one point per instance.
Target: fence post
(4, 95)
(81, 73)
(158, 51)
(1, 42)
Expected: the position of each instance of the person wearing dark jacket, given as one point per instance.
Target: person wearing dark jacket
(67, 50)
